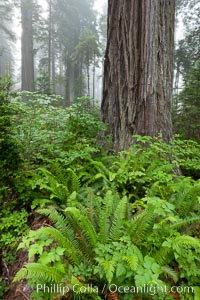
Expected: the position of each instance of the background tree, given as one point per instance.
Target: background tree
(80, 18)
(186, 115)
(138, 69)
(88, 51)
(187, 50)
(6, 37)
(27, 45)
(186, 101)
(59, 36)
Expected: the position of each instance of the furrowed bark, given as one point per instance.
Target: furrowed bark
(138, 69)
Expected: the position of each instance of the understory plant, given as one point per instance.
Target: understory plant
(9, 154)
(127, 219)
(106, 241)
(48, 130)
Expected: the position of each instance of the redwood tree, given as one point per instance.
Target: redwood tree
(138, 69)
(27, 45)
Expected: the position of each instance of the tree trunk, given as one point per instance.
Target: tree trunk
(88, 80)
(94, 77)
(27, 45)
(49, 45)
(53, 66)
(138, 69)
(67, 82)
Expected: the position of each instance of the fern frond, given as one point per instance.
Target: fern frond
(63, 224)
(186, 240)
(59, 220)
(84, 249)
(72, 252)
(185, 222)
(142, 224)
(93, 206)
(57, 189)
(40, 273)
(170, 273)
(104, 217)
(63, 189)
(96, 177)
(21, 274)
(85, 224)
(100, 167)
(186, 197)
(73, 181)
(109, 269)
(161, 255)
(71, 230)
(132, 260)
(118, 220)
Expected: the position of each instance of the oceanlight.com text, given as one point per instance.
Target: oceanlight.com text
(113, 288)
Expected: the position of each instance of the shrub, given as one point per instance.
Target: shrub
(9, 156)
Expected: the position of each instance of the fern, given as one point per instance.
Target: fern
(60, 222)
(118, 219)
(73, 182)
(57, 189)
(86, 225)
(142, 224)
(93, 171)
(104, 217)
(185, 222)
(100, 167)
(71, 230)
(161, 255)
(189, 200)
(93, 205)
(70, 250)
(40, 273)
(186, 241)
(109, 269)
(186, 197)
(83, 245)
(132, 261)
(60, 190)
(170, 273)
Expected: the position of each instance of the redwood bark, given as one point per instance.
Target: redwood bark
(138, 69)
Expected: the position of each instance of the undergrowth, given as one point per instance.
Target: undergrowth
(126, 219)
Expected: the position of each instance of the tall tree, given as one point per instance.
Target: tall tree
(186, 115)
(187, 51)
(6, 36)
(27, 45)
(88, 51)
(80, 17)
(138, 69)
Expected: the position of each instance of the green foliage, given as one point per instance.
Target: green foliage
(3, 288)
(58, 187)
(42, 83)
(100, 240)
(187, 110)
(186, 98)
(53, 136)
(87, 51)
(111, 218)
(12, 227)
(49, 132)
(188, 157)
(9, 158)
